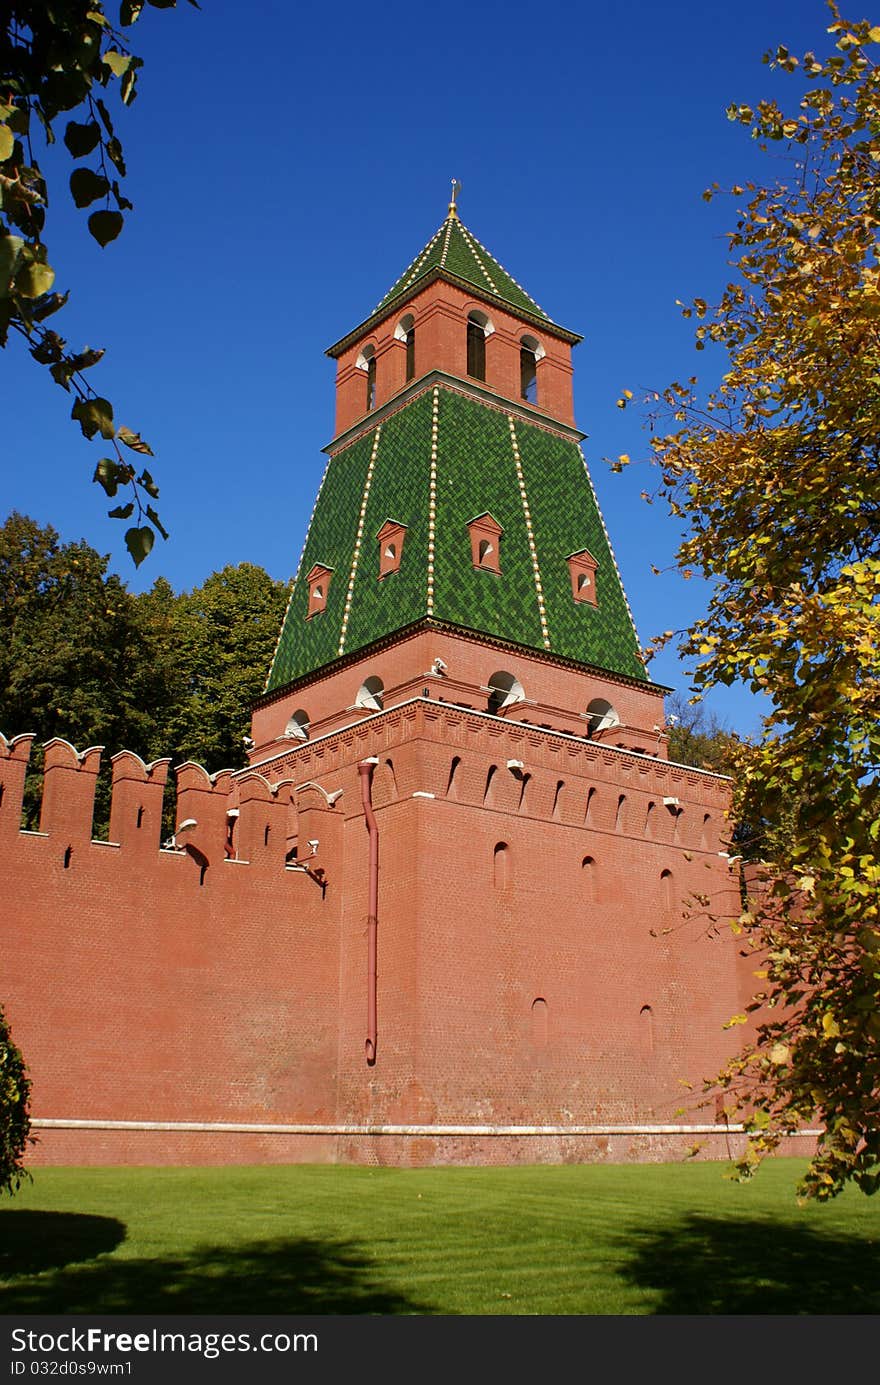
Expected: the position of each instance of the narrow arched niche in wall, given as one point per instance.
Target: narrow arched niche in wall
(489, 790)
(646, 1030)
(706, 833)
(667, 890)
(384, 783)
(451, 785)
(540, 1021)
(649, 819)
(501, 866)
(621, 815)
(590, 810)
(589, 889)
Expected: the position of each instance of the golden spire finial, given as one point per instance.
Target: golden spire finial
(456, 189)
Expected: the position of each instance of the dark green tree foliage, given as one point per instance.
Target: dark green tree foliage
(214, 645)
(74, 658)
(15, 1122)
(159, 674)
(697, 737)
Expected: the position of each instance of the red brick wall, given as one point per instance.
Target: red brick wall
(181, 987)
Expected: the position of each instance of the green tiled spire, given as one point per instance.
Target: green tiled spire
(443, 459)
(458, 253)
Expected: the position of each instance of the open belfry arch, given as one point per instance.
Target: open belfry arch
(442, 916)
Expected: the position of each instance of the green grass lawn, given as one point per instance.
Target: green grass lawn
(637, 1239)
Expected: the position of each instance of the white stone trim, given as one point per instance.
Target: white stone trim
(542, 610)
(432, 499)
(490, 1131)
(357, 543)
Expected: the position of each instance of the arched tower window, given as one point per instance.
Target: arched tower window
(366, 362)
(405, 331)
(477, 330)
(529, 355)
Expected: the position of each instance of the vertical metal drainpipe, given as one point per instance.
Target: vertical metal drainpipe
(365, 770)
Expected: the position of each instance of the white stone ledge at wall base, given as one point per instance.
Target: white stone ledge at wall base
(250, 1128)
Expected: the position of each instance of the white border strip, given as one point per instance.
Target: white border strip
(247, 1128)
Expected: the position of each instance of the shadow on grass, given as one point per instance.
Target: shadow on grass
(712, 1265)
(284, 1276)
(31, 1242)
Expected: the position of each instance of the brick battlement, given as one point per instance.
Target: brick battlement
(227, 816)
(226, 980)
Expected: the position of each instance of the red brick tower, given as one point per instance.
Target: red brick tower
(442, 915)
(459, 631)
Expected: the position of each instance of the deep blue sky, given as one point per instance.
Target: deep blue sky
(287, 161)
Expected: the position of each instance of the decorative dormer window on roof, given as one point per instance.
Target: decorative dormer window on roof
(319, 584)
(485, 535)
(582, 568)
(390, 539)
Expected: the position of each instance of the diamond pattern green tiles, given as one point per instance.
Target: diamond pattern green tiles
(476, 473)
(454, 249)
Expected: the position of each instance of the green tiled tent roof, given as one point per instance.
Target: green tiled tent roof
(454, 249)
(532, 481)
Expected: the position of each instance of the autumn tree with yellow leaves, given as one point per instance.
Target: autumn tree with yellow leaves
(775, 475)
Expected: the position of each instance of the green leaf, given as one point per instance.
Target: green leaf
(118, 63)
(9, 248)
(94, 416)
(151, 515)
(129, 11)
(122, 511)
(127, 89)
(7, 142)
(34, 279)
(87, 186)
(114, 152)
(81, 139)
(134, 441)
(110, 475)
(105, 226)
(149, 485)
(139, 542)
(50, 305)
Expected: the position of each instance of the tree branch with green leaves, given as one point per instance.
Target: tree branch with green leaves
(56, 61)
